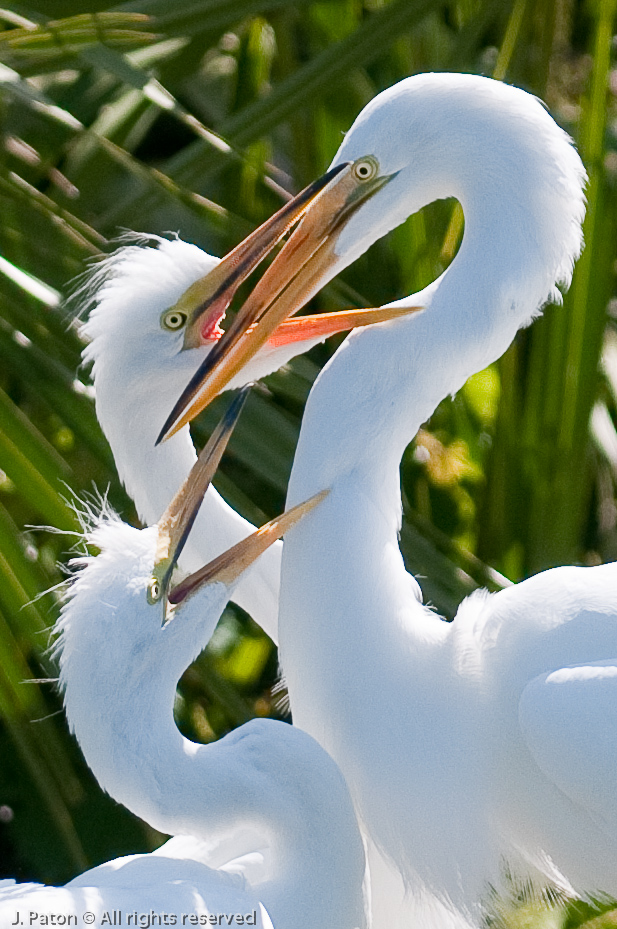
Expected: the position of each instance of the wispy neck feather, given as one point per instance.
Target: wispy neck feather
(119, 667)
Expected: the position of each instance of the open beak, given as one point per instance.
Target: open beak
(176, 522)
(303, 265)
(206, 301)
(229, 566)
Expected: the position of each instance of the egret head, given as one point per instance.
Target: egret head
(148, 334)
(155, 311)
(151, 300)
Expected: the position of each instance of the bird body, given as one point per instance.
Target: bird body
(170, 882)
(455, 722)
(452, 737)
(267, 801)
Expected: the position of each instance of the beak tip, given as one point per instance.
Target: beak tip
(169, 428)
(163, 434)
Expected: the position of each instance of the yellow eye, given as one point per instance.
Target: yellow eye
(366, 168)
(173, 319)
(154, 591)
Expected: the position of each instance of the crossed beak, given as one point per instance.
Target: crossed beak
(305, 262)
(229, 566)
(206, 301)
(176, 523)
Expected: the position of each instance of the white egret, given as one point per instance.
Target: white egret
(491, 739)
(155, 316)
(267, 808)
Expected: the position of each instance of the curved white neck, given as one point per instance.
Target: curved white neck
(312, 870)
(361, 654)
(519, 181)
(382, 384)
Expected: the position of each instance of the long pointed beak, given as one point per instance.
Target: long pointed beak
(322, 325)
(229, 566)
(206, 301)
(176, 522)
(303, 265)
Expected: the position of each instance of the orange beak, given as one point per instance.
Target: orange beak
(206, 301)
(229, 566)
(176, 522)
(304, 263)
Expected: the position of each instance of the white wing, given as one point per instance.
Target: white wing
(143, 884)
(568, 718)
(545, 654)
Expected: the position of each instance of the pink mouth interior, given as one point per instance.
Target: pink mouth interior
(211, 329)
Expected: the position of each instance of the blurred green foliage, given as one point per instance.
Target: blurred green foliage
(199, 116)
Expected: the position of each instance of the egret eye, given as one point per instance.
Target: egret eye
(154, 591)
(366, 168)
(173, 319)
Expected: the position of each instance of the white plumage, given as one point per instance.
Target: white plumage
(487, 743)
(267, 820)
(173, 880)
(138, 368)
(453, 737)
(482, 744)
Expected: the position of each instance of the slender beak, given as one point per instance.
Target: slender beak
(322, 325)
(177, 520)
(303, 265)
(206, 301)
(229, 566)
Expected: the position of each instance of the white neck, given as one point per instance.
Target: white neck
(519, 181)
(131, 411)
(350, 615)
(386, 380)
